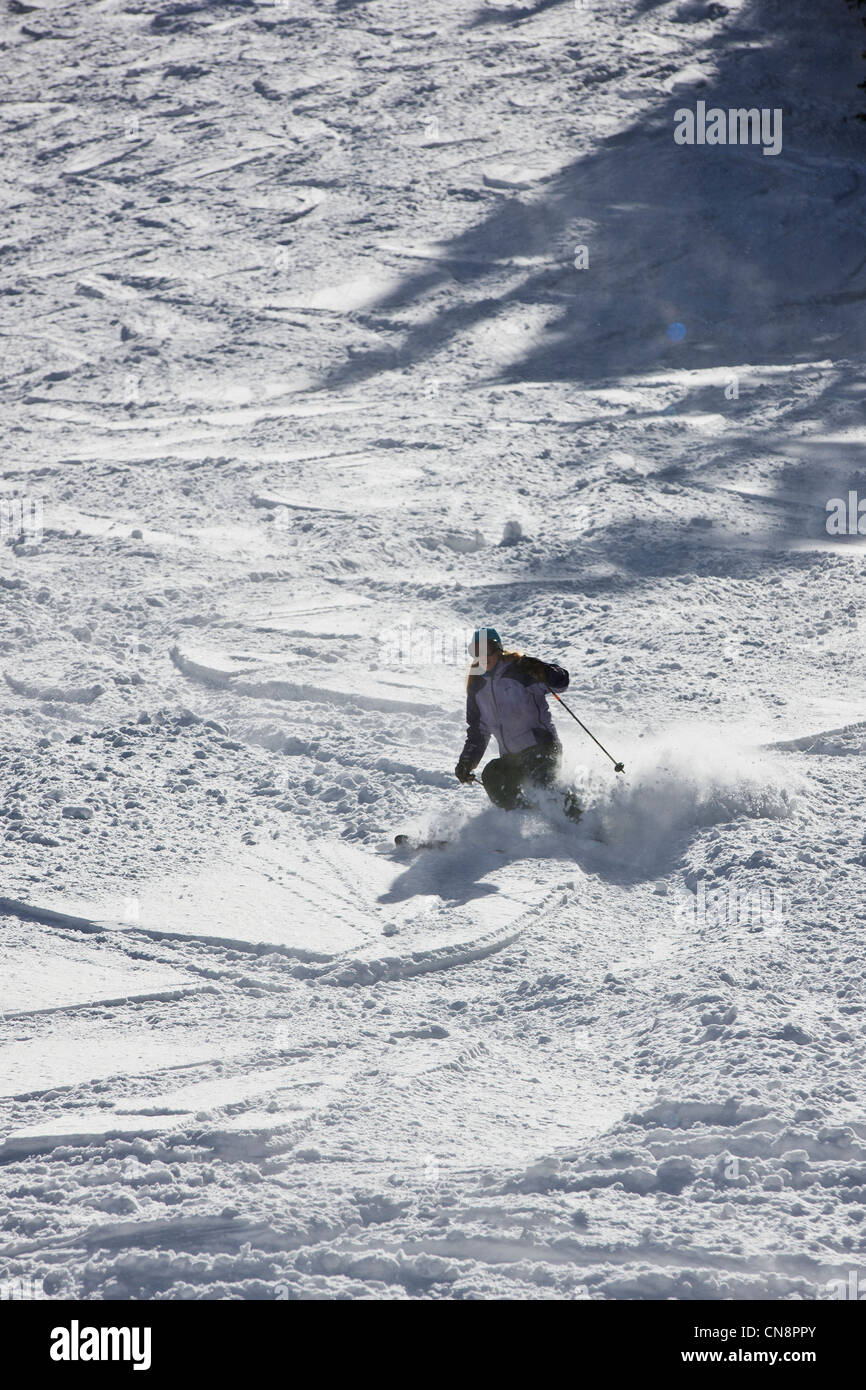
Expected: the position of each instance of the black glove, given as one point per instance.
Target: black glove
(463, 772)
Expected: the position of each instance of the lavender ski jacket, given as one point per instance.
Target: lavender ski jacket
(510, 703)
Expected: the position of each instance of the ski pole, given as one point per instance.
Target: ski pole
(617, 767)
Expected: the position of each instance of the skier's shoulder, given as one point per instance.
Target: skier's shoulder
(531, 669)
(514, 663)
(526, 667)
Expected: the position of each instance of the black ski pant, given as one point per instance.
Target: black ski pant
(505, 778)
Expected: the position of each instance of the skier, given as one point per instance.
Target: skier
(506, 697)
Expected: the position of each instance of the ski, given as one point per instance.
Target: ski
(406, 841)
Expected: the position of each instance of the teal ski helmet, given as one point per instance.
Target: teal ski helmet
(486, 635)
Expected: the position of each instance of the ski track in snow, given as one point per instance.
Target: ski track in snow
(306, 383)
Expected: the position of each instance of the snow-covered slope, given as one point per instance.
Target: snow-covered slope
(302, 381)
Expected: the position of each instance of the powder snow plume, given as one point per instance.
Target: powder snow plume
(679, 782)
(676, 783)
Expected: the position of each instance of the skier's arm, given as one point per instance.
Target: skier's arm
(477, 737)
(557, 676)
(548, 673)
